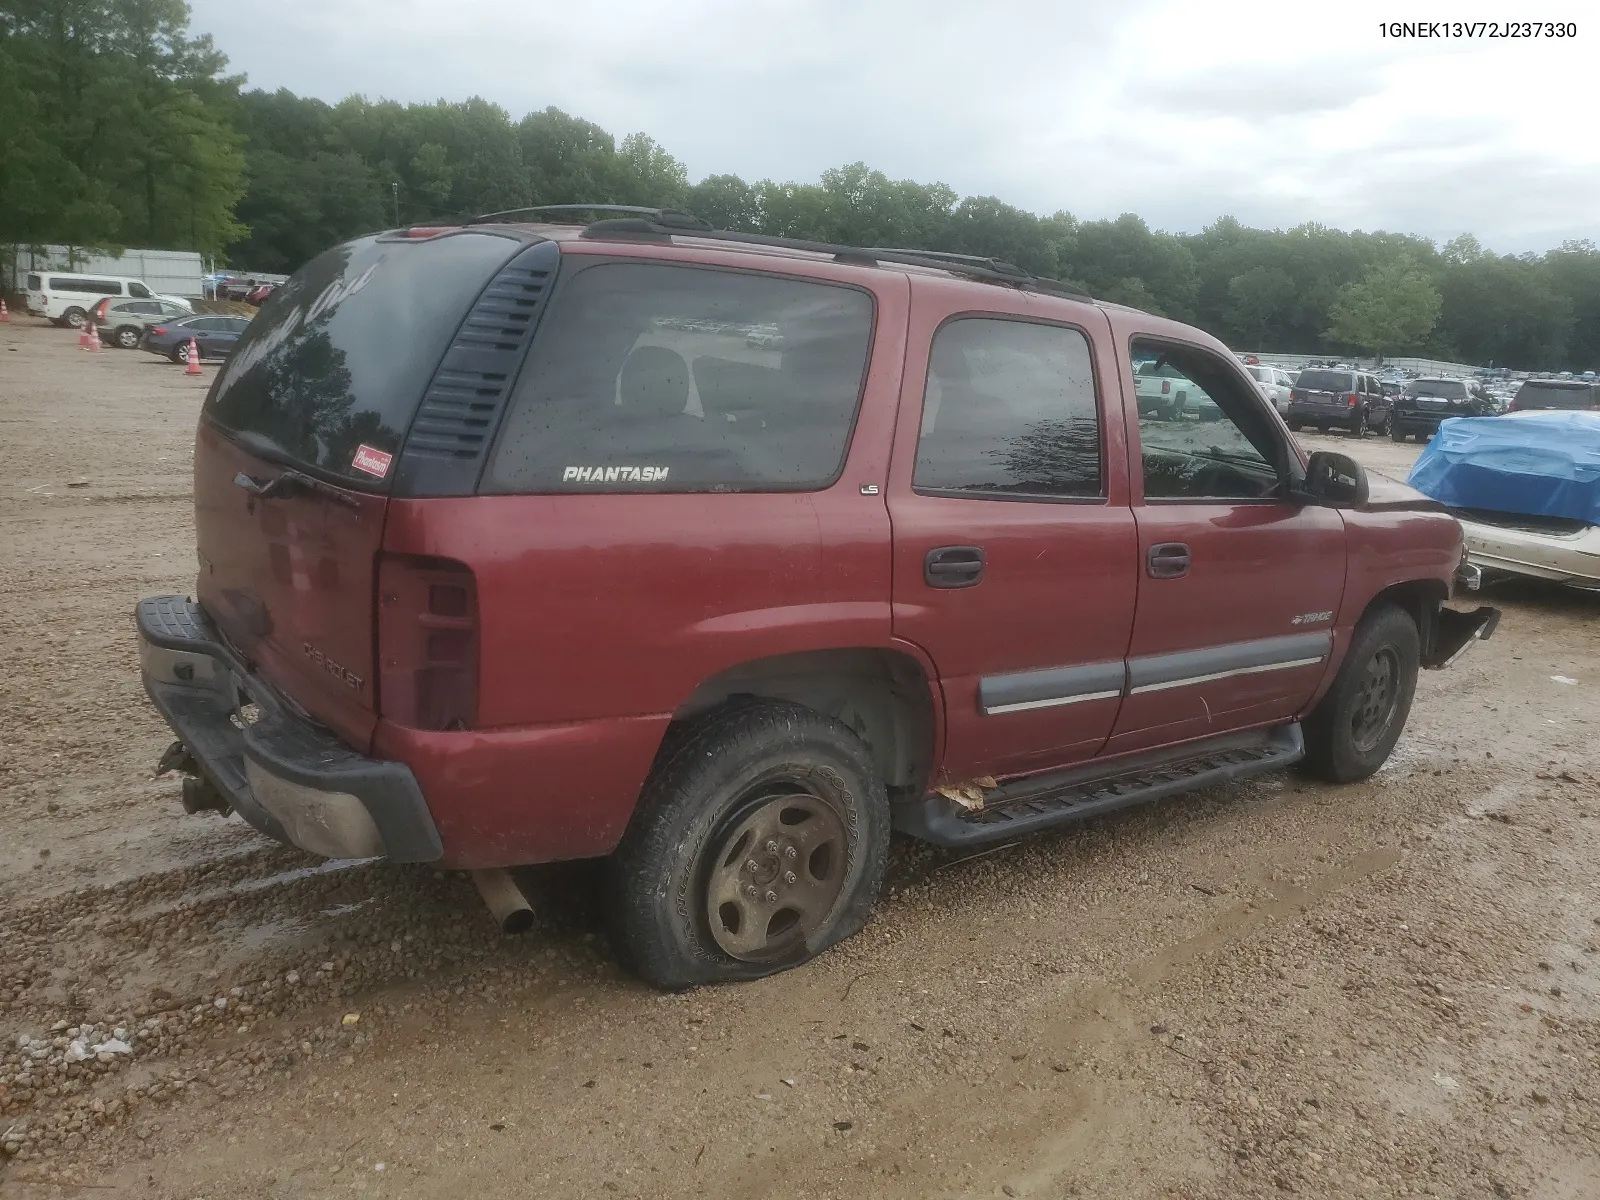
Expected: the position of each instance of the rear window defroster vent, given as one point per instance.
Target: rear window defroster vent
(459, 412)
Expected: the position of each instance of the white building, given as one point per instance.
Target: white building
(166, 272)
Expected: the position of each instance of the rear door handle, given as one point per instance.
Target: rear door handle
(953, 566)
(1168, 560)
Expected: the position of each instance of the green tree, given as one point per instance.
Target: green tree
(125, 131)
(1392, 307)
(1257, 299)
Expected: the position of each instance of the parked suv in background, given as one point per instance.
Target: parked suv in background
(513, 547)
(122, 323)
(1326, 398)
(1274, 383)
(1556, 393)
(1423, 403)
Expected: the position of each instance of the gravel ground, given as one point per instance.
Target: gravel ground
(1277, 987)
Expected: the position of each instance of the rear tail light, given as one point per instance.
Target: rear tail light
(1353, 399)
(1296, 394)
(427, 642)
(158, 330)
(100, 311)
(1166, 386)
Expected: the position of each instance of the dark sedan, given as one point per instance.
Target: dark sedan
(214, 336)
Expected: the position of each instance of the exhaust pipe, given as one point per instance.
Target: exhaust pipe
(505, 899)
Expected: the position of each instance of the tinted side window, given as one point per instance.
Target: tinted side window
(92, 287)
(1009, 409)
(138, 289)
(649, 377)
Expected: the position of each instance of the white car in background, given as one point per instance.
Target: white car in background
(1273, 383)
(67, 298)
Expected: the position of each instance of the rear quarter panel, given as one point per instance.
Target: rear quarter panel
(600, 614)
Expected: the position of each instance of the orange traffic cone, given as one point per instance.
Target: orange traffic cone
(83, 336)
(5, 313)
(194, 359)
(91, 338)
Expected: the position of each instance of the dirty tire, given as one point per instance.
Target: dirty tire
(1356, 725)
(710, 775)
(128, 337)
(1396, 434)
(74, 318)
(1295, 426)
(180, 354)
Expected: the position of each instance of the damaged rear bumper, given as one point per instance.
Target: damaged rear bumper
(283, 773)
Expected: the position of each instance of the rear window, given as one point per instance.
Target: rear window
(92, 287)
(1445, 389)
(35, 283)
(341, 355)
(649, 377)
(1326, 381)
(1540, 394)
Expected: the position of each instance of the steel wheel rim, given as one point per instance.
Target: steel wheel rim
(1376, 699)
(128, 339)
(776, 871)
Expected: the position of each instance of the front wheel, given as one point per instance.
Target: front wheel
(1295, 426)
(1396, 434)
(761, 840)
(1353, 729)
(1358, 427)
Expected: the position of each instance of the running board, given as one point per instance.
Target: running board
(1041, 801)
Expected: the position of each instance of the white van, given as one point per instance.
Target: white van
(66, 298)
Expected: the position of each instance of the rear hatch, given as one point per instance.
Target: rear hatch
(1552, 393)
(1323, 389)
(1436, 398)
(297, 450)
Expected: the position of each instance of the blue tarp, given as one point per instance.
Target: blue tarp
(1544, 464)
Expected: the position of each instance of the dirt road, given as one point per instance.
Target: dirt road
(1389, 989)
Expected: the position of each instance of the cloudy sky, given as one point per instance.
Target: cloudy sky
(1277, 113)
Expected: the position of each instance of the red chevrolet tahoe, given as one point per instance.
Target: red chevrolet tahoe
(724, 555)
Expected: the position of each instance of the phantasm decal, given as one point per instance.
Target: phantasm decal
(613, 474)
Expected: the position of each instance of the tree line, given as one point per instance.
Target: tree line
(121, 128)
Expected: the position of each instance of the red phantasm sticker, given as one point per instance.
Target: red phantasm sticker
(373, 462)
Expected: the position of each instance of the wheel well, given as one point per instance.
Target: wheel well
(1420, 599)
(882, 695)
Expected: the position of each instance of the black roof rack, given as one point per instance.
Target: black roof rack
(998, 265)
(639, 223)
(668, 218)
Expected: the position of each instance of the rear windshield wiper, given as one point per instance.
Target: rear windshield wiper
(290, 481)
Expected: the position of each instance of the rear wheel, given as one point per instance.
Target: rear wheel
(128, 337)
(1295, 427)
(1354, 728)
(179, 353)
(1322, 428)
(760, 841)
(75, 318)
(1358, 427)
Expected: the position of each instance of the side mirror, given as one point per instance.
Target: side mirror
(1334, 480)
